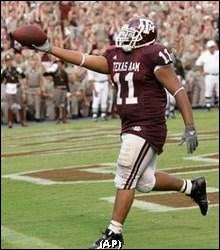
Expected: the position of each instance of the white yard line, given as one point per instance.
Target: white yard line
(209, 190)
(23, 241)
(196, 172)
(204, 158)
(41, 181)
(155, 207)
(22, 176)
(33, 180)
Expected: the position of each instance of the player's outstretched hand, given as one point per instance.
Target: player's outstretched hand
(46, 47)
(190, 137)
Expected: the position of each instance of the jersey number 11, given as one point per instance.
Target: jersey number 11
(129, 79)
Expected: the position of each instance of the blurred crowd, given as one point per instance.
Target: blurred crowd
(183, 26)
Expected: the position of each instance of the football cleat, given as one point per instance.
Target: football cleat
(199, 194)
(109, 240)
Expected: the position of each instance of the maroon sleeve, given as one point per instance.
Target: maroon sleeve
(161, 56)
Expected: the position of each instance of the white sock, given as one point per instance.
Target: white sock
(187, 187)
(115, 227)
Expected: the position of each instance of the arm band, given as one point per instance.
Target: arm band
(178, 90)
(83, 59)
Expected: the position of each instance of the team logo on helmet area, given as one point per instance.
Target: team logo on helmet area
(136, 33)
(147, 26)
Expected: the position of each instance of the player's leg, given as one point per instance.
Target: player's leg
(135, 154)
(196, 188)
(166, 182)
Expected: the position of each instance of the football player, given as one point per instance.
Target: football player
(141, 69)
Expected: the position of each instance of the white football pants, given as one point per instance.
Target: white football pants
(136, 164)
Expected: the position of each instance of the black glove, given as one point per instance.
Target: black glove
(190, 137)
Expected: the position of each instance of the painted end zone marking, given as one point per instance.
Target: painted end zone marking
(108, 172)
(98, 173)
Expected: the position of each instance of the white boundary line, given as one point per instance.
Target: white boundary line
(23, 241)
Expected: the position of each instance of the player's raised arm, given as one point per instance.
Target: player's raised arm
(33, 37)
(92, 62)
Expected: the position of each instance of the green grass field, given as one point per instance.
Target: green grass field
(72, 215)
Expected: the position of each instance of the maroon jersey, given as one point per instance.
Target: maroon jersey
(141, 98)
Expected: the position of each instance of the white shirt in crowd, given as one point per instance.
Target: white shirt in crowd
(210, 62)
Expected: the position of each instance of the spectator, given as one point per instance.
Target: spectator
(81, 94)
(10, 76)
(83, 25)
(48, 98)
(195, 86)
(34, 78)
(209, 63)
(61, 84)
(100, 92)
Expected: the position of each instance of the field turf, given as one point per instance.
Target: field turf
(62, 214)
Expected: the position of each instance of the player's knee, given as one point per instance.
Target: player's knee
(146, 187)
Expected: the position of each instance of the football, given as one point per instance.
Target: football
(29, 34)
